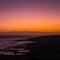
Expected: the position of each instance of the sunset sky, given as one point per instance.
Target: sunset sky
(30, 15)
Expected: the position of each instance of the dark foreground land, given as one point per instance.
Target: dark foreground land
(44, 48)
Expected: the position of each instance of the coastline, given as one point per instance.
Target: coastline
(45, 47)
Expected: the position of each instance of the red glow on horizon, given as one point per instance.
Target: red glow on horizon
(30, 18)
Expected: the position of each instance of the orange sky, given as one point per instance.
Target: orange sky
(42, 18)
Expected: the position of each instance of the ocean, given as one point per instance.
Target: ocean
(9, 42)
(16, 44)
